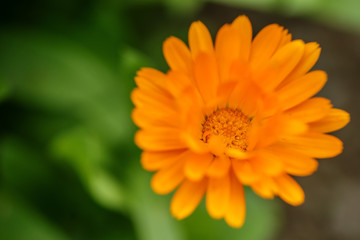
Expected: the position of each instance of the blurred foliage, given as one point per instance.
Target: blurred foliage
(342, 14)
(68, 165)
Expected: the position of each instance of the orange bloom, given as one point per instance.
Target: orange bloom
(240, 113)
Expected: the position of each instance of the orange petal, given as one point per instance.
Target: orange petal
(289, 190)
(335, 120)
(243, 25)
(274, 128)
(292, 127)
(155, 160)
(245, 172)
(254, 133)
(235, 214)
(146, 119)
(152, 100)
(159, 140)
(177, 55)
(280, 65)
(301, 89)
(195, 144)
(190, 99)
(187, 198)
(151, 79)
(302, 168)
(238, 154)
(263, 132)
(168, 178)
(285, 38)
(265, 188)
(227, 49)
(266, 163)
(196, 165)
(190, 110)
(265, 44)
(200, 39)
(311, 110)
(206, 76)
(177, 82)
(224, 92)
(294, 163)
(308, 60)
(217, 196)
(268, 104)
(219, 167)
(246, 95)
(316, 145)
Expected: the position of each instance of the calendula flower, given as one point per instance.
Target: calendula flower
(234, 114)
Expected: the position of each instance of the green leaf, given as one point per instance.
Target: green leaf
(88, 156)
(4, 90)
(61, 76)
(257, 4)
(106, 190)
(21, 222)
(150, 212)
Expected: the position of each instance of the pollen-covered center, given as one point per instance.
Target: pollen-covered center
(230, 124)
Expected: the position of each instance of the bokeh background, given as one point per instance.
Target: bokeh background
(69, 168)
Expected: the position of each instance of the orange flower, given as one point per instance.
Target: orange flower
(240, 113)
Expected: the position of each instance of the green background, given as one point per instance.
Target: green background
(69, 168)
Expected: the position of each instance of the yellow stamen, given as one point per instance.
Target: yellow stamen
(229, 124)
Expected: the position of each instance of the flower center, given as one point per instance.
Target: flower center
(229, 124)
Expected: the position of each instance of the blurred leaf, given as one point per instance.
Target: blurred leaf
(258, 4)
(59, 72)
(4, 90)
(300, 7)
(86, 154)
(344, 13)
(150, 212)
(106, 190)
(61, 76)
(336, 13)
(55, 191)
(21, 222)
(176, 6)
(181, 7)
(131, 60)
(21, 168)
(80, 148)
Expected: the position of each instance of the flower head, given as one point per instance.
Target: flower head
(237, 113)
